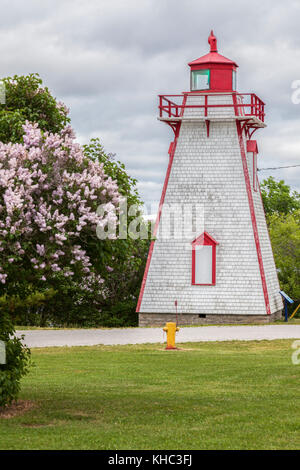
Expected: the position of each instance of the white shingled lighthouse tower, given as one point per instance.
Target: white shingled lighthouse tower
(222, 270)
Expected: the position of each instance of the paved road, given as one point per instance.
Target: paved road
(44, 338)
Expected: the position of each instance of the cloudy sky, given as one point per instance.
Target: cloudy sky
(108, 60)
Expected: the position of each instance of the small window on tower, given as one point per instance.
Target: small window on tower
(204, 260)
(200, 80)
(255, 171)
(253, 149)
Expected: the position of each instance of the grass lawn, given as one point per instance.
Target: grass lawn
(225, 395)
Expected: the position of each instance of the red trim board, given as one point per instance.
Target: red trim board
(258, 185)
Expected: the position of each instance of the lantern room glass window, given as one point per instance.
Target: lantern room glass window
(234, 80)
(200, 80)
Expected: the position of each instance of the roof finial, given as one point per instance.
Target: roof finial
(212, 41)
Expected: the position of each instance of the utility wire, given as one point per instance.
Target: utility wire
(277, 167)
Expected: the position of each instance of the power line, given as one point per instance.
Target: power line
(277, 167)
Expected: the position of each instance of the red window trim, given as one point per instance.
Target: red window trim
(204, 239)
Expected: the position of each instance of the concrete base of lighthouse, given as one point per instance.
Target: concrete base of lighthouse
(157, 319)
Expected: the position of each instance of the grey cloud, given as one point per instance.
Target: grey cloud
(109, 59)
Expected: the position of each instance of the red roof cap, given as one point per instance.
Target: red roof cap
(212, 57)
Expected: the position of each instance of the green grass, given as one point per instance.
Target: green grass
(225, 395)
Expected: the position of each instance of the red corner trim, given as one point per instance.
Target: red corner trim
(266, 222)
(236, 107)
(172, 149)
(253, 218)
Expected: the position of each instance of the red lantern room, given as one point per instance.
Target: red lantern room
(213, 72)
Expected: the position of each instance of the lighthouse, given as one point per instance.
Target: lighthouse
(217, 265)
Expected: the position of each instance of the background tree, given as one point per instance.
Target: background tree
(49, 195)
(285, 237)
(278, 198)
(123, 260)
(27, 100)
(120, 264)
(282, 207)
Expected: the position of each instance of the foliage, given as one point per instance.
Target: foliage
(45, 281)
(31, 310)
(27, 100)
(68, 307)
(17, 361)
(282, 207)
(278, 197)
(123, 260)
(48, 216)
(285, 238)
(49, 195)
(119, 263)
(115, 169)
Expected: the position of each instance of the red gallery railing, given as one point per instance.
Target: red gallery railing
(245, 104)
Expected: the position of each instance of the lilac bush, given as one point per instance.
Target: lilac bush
(49, 194)
(27, 99)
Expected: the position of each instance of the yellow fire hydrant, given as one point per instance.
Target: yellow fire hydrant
(171, 329)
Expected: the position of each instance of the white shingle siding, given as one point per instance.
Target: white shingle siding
(209, 172)
(199, 100)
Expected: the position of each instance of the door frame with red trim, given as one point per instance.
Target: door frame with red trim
(204, 239)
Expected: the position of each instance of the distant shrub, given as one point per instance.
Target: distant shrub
(50, 308)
